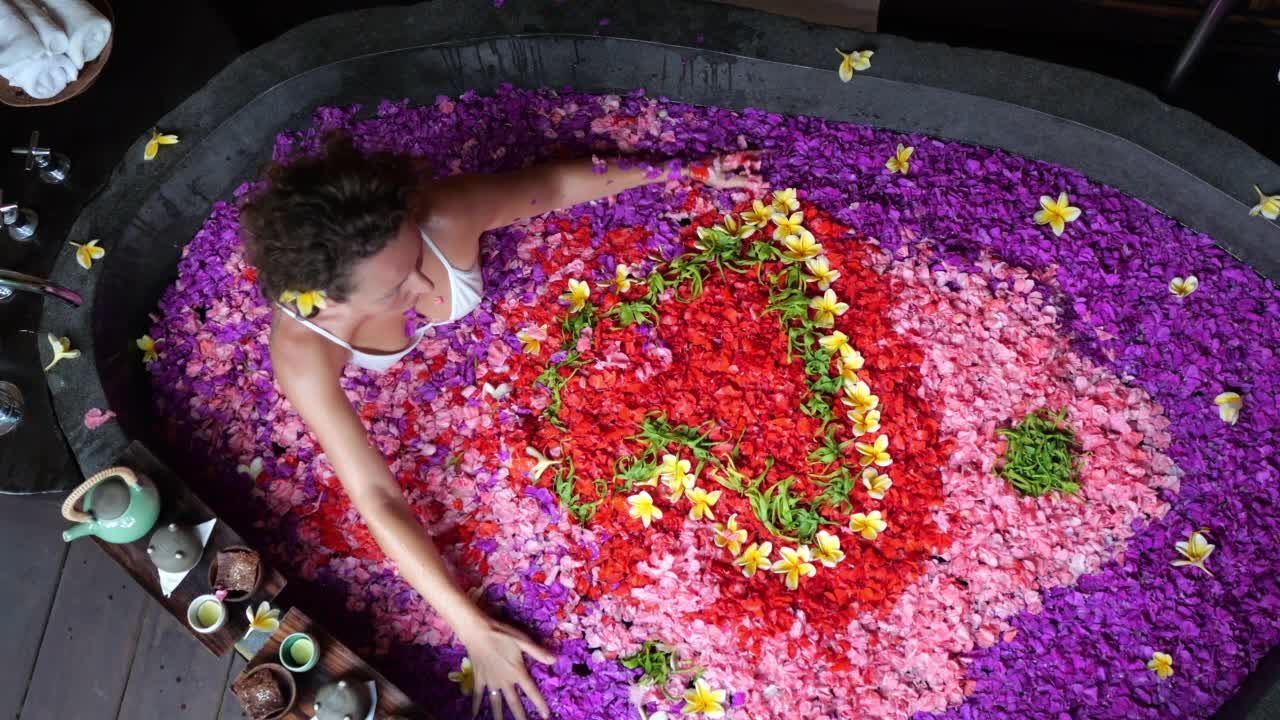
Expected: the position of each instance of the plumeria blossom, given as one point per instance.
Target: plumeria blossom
(147, 345)
(576, 295)
(864, 422)
(838, 344)
(826, 308)
(702, 501)
(730, 536)
(785, 201)
(465, 677)
(531, 339)
(875, 453)
(621, 281)
(1229, 406)
(61, 350)
(1056, 213)
(869, 525)
(1183, 287)
(252, 470)
(754, 557)
(795, 563)
(856, 60)
(642, 508)
(858, 396)
(86, 253)
(739, 230)
(1194, 550)
(787, 225)
(265, 619)
(876, 483)
(307, 301)
(820, 272)
(702, 700)
(1161, 664)
(801, 247)
(677, 475)
(901, 160)
(542, 462)
(157, 139)
(827, 549)
(1268, 205)
(759, 215)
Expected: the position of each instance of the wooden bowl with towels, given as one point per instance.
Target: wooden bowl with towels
(15, 97)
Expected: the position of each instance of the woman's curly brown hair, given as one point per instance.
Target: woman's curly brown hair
(320, 215)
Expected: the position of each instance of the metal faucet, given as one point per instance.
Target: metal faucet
(11, 282)
(53, 166)
(11, 407)
(21, 222)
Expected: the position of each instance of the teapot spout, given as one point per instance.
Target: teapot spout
(76, 532)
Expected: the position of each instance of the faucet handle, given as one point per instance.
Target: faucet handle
(36, 156)
(53, 166)
(6, 209)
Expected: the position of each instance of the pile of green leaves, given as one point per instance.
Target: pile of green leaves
(658, 663)
(1042, 455)
(565, 484)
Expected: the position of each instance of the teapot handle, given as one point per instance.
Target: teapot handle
(69, 510)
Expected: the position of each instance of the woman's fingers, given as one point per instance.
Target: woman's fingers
(532, 692)
(538, 652)
(477, 692)
(495, 703)
(513, 702)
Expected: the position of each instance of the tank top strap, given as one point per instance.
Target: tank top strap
(323, 333)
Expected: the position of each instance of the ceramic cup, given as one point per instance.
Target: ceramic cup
(299, 652)
(206, 614)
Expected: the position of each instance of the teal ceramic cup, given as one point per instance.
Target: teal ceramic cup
(299, 652)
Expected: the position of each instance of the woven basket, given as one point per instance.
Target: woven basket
(14, 97)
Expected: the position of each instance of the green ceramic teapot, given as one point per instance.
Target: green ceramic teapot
(120, 506)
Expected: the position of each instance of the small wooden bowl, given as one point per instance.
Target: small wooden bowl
(15, 97)
(287, 686)
(213, 574)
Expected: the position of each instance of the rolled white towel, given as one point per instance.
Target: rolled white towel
(50, 32)
(18, 40)
(42, 76)
(87, 30)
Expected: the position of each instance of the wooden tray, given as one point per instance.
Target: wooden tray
(337, 661)
(14, 97)
(179, 504)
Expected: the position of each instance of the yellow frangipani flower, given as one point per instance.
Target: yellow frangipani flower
(875, 483)
(754, 557)
(1195, 550)
(730, 536)
(827, 307)
(742, 230)
(576, 295)
(265, 619)
(148, 347)
(1056, 214)
(702, 501)
(785, 201)
(1183, 287)
(875, 453)
(1229, 406)
(795, 563)
(759, 215)
(153, 145)
(827, 550)
(621, 281)
(531, 339)
(88, 252)
(61, 351)
(466, 677)
(870, 525)
(543, 462)
(856, 60)
(306, 301)
(642, 508)
(837, 342)
(1268, 205)
(801, 247)
(858, 396)
(702, 700)
(848, 373)
(900, 162)
(787, 225)
(677, 475)
(1160, 664)
(820, 272)
(864, 423)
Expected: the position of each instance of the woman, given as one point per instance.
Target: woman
(348, 244)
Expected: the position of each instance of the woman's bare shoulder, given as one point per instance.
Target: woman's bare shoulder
(300, 356)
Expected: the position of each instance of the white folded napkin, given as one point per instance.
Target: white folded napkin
(50, 32)
(87, 30)
(18, 40)
(42, 76)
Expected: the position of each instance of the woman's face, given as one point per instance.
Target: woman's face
(391, 281)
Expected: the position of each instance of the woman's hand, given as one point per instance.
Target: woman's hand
(497, 662)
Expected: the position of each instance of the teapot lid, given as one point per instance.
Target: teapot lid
(109, 500)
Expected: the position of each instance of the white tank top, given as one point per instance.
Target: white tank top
(466, 288)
